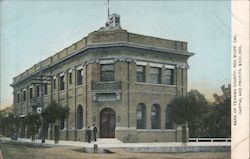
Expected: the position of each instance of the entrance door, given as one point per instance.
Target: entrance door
(107, 123)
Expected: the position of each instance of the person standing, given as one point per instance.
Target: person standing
(33, 133)
(88, 134)
(184, 135)
(94, 131)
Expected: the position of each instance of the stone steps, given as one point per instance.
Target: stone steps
(108, 141)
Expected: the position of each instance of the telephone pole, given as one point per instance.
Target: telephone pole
(41, 80)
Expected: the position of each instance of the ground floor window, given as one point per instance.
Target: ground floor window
(155, 116)
(141, 116)
(79, 116)
(168, 122)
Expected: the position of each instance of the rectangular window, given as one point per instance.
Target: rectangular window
(24, 95)
(45, 88)
(31, 92)
(140, 73)
(155, 75)
(54, 83)
(18, 98)
(107, 72)
(169, 77)
(79, 77)
(37, 91)
(70, 77)
(61, 83)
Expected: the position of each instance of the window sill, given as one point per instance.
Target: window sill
(153, 84)
(156, 130)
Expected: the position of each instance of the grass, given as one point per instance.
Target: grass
(13, 151)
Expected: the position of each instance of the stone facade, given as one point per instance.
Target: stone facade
(120, 81)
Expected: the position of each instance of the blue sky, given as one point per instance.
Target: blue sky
(33, 30)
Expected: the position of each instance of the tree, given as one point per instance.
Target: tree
(53, 113)
(188, 110)
(33, 121)
(9, 123)
(218, 122)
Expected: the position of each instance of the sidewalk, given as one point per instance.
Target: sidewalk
(134, 147)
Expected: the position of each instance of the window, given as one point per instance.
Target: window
(168, 78)
(45, 88)
(79, 121)
(37, 91)
(24, 95)
(70, 77)
(61, 82)
(18, 97)
(61, 123)
(168, 123)
(31, 92)
(107, 72)
(79, 77)
(155, 75)
(140, 73)
(155, 116)
(141, 116)
(54, 82)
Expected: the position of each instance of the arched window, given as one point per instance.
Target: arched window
(168, 122)
(141, 116)
(155, 116)
(79, 116)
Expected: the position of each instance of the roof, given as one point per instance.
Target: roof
(105, 38)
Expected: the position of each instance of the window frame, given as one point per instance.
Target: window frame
(141, 73)
(141, 122)
(168, 78)
(156, 119)
(152, 75)
(103, 73)
(79, 77)
(62, 82)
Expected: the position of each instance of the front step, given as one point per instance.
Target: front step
(108, 141)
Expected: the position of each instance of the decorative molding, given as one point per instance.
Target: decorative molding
(141, 63)
(61, 74)
(155, 65)
(107, 61)
(125, 128)
(169, 66)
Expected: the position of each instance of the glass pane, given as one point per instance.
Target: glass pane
(154, 70)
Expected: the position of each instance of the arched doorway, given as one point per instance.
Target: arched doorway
(107, 123)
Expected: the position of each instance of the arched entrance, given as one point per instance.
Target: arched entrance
(107, 123)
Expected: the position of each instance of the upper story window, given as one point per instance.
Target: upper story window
(37, 91)
(140, 73)
(54, 82)
(107, 72)
(61, 82)
(18, 97)
(168, 77)
(31, 92)
(79, 77)
(45, 88)
(70, 77)
(24, 95)
(155, 75)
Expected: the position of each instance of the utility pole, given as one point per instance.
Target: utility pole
(41, 80)
(108, 9)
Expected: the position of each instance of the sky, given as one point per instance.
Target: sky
(31, 31)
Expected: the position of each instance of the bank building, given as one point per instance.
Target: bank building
(120, 81)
